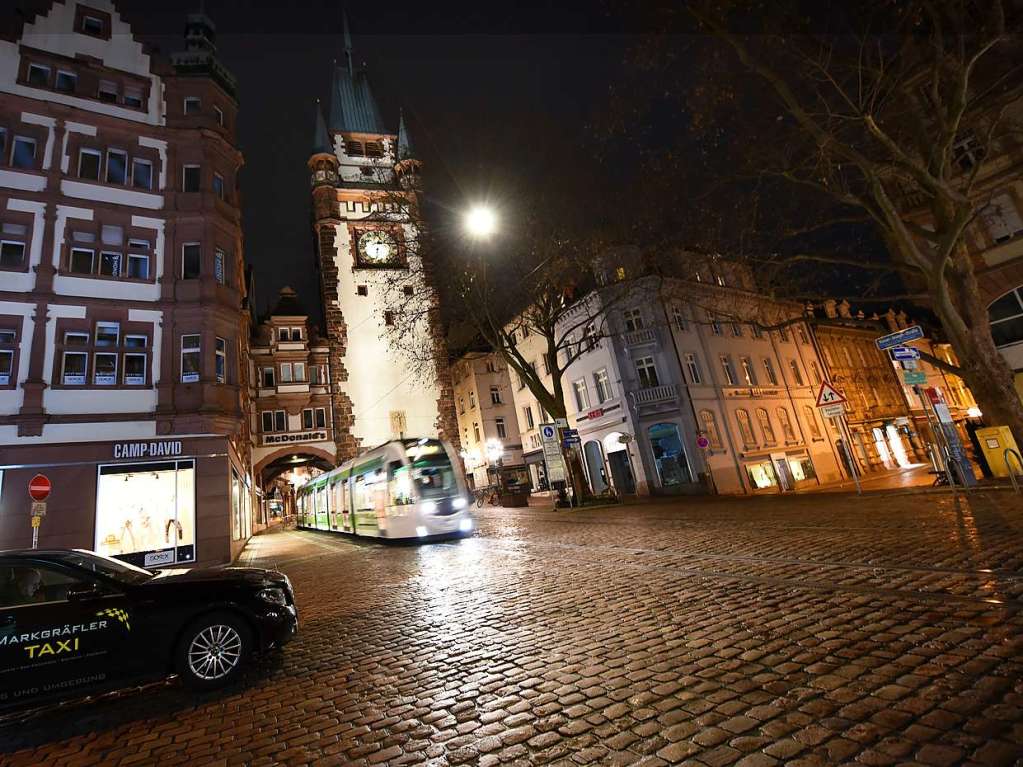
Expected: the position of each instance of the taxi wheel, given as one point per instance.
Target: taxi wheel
(212, 651)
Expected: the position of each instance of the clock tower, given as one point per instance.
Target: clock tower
(364, 181)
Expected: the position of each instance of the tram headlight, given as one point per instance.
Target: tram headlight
(459, 502)
(421, 531)
(428, 507)
(465, 525)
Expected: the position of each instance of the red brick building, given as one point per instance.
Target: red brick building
(122, 292)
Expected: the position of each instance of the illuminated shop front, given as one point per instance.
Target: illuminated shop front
(781, 472)
(153, 502)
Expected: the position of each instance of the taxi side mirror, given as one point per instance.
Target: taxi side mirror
(84, 593)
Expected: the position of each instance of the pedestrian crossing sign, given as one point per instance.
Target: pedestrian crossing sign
(829, 395)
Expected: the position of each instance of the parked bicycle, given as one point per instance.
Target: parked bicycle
(486, 495)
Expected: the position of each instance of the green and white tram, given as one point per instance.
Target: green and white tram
(410, 488)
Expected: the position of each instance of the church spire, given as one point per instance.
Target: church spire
(348, 43)
(352, 106)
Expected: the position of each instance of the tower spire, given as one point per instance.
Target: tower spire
(348, 42)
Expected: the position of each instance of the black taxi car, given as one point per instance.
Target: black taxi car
(73, 621)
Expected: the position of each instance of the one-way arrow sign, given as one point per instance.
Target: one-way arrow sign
(829, 395)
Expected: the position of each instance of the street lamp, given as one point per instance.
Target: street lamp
(480, 222)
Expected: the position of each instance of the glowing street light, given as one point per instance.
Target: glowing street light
(494, 449)
(480, 221)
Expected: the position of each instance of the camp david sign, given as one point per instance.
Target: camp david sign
(147, 449)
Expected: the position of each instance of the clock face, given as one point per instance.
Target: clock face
(377, 247)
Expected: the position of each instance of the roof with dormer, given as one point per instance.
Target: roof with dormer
(353, 109)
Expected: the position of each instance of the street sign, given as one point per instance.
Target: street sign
(36, 521)
(39, 487)
(912, 377)
(702, 442)
(38, 508)
(905, 353)
(829, 395)
(911, 333)
(548, 432)
(909, 364)
(569, 441)
(552, 452)
(832, 411)
(563, 422)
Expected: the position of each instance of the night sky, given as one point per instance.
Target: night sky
(491, 91)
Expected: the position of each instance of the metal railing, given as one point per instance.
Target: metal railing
(1008, 465)
(655, 394)
(640, 337)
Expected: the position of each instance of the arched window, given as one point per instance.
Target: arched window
(786, 425)
(710, 428)
(745, 427)
(765, 426)
(811, 422)
(1006, 316)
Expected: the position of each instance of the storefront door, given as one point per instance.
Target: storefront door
(595, 466)
(782, 471)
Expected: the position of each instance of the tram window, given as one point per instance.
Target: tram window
(400, 483)
(433, 478)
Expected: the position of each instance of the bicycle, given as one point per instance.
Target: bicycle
(485, 494)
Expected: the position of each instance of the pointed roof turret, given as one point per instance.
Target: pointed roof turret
(321, 139)
(405, 150)
(288, 304)
(352, 106)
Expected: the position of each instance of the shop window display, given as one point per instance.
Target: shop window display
(672, 467)
(145, 513)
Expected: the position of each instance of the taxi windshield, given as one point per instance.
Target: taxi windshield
(111, 568)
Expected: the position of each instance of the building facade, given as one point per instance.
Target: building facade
(364, 179)
(122, 327)
(491, 450)
(292, 424)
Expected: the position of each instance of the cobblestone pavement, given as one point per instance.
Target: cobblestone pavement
(804, 630)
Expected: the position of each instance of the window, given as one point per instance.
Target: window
(38, 75)
(815, 371)
(389, 318)
(374, 149)
(362, 290)
(528, 412)
(107, 91)
(267, 417)
(1002, 219)
(89, 161)
(24, 152)
(715, 325)
(783, 333)
(803, 337)
(582, 396)
(280, 420)
(772, 377)
(765, 426)
(745, 427)
(107, 333)
(299, 368)
(720, 280)
(285, 372)
(12, 254)
(105, 368)
(968, 151)
(138, 259)
(135, 362)
(190, 358)
(633, 319)
(268, 378)
(193, 105)
(693, 368)
(133, 97)
(141, 173)
(729, 370)
(476, 431)
(472, 399)
(110, 264)
(736, 330)
(678, 317)
(811, 421)
(786, 425)
(74, 364)
(117, 166)
(1006, 317)
(190, 178)
(461, 404)
(92, 25)
(353, 148)
(283, 334)
(647, 372)
(502, 432)
(218, 265)
(218, 185)
(307, 418)
(710, 428)
(67, 82)
(81, 261)
(748, 373)
(7, 341)
(602, 385)
(191, 260)
(797, 375)
(495, 395)
(756, 330)
(321, 418)
(218, 114)
(221, 360)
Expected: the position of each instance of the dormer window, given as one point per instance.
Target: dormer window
(353, 149)
(192, 105)
(39, 75)
(108, 91)
(89, 21)
(67, 82)
(92, 26)
(133, 97)
(374, 149)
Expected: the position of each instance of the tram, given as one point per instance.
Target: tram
(411, 488)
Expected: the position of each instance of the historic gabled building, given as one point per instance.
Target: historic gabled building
(364, 178)
(122, 325)
(291, 403)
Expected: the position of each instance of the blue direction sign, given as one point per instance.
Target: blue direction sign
(897, 339)
(570, 437)
(905, 353)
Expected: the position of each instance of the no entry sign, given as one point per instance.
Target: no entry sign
(39, 487)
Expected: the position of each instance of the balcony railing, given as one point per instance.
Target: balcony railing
(641, 337)
(656, 394)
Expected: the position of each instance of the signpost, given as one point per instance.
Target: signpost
(914, 377)
(552, 453)
(831, 403)
(570, 437)
(38, 490)
(901, 353)
(900, 337)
